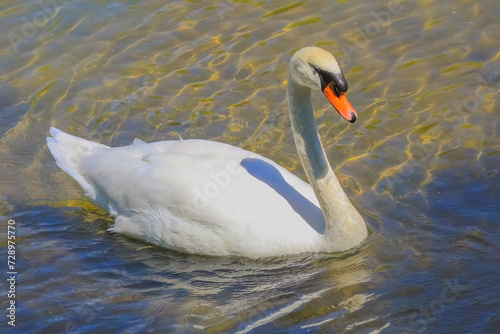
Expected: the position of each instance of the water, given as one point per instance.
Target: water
(420, 163)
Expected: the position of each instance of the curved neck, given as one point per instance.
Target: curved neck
(311, 152)
(345, 227)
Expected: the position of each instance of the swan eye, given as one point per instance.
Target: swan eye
(326, 77)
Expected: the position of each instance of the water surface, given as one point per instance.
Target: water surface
(420, 163)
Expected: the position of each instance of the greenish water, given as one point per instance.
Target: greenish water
(420, 163)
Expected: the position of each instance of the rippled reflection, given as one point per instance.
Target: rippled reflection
(420, 163)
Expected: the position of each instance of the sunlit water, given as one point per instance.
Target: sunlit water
(421, 162)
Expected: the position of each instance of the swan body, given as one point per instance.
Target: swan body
(204, 197)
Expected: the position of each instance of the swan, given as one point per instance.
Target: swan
(204, 197)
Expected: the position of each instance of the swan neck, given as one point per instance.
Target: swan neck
(310, 149)
(345, 227)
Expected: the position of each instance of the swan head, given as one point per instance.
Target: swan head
(317, 69)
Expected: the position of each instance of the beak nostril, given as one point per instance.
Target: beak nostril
(336, 90)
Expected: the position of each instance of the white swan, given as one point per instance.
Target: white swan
(204, 197)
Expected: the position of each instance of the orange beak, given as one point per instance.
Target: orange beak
(340, 103)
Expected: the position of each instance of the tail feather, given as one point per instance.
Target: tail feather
(69, 151)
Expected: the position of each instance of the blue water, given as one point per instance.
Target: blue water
(421, 163)
(416, 274)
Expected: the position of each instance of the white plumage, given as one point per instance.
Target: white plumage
(205, 197)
